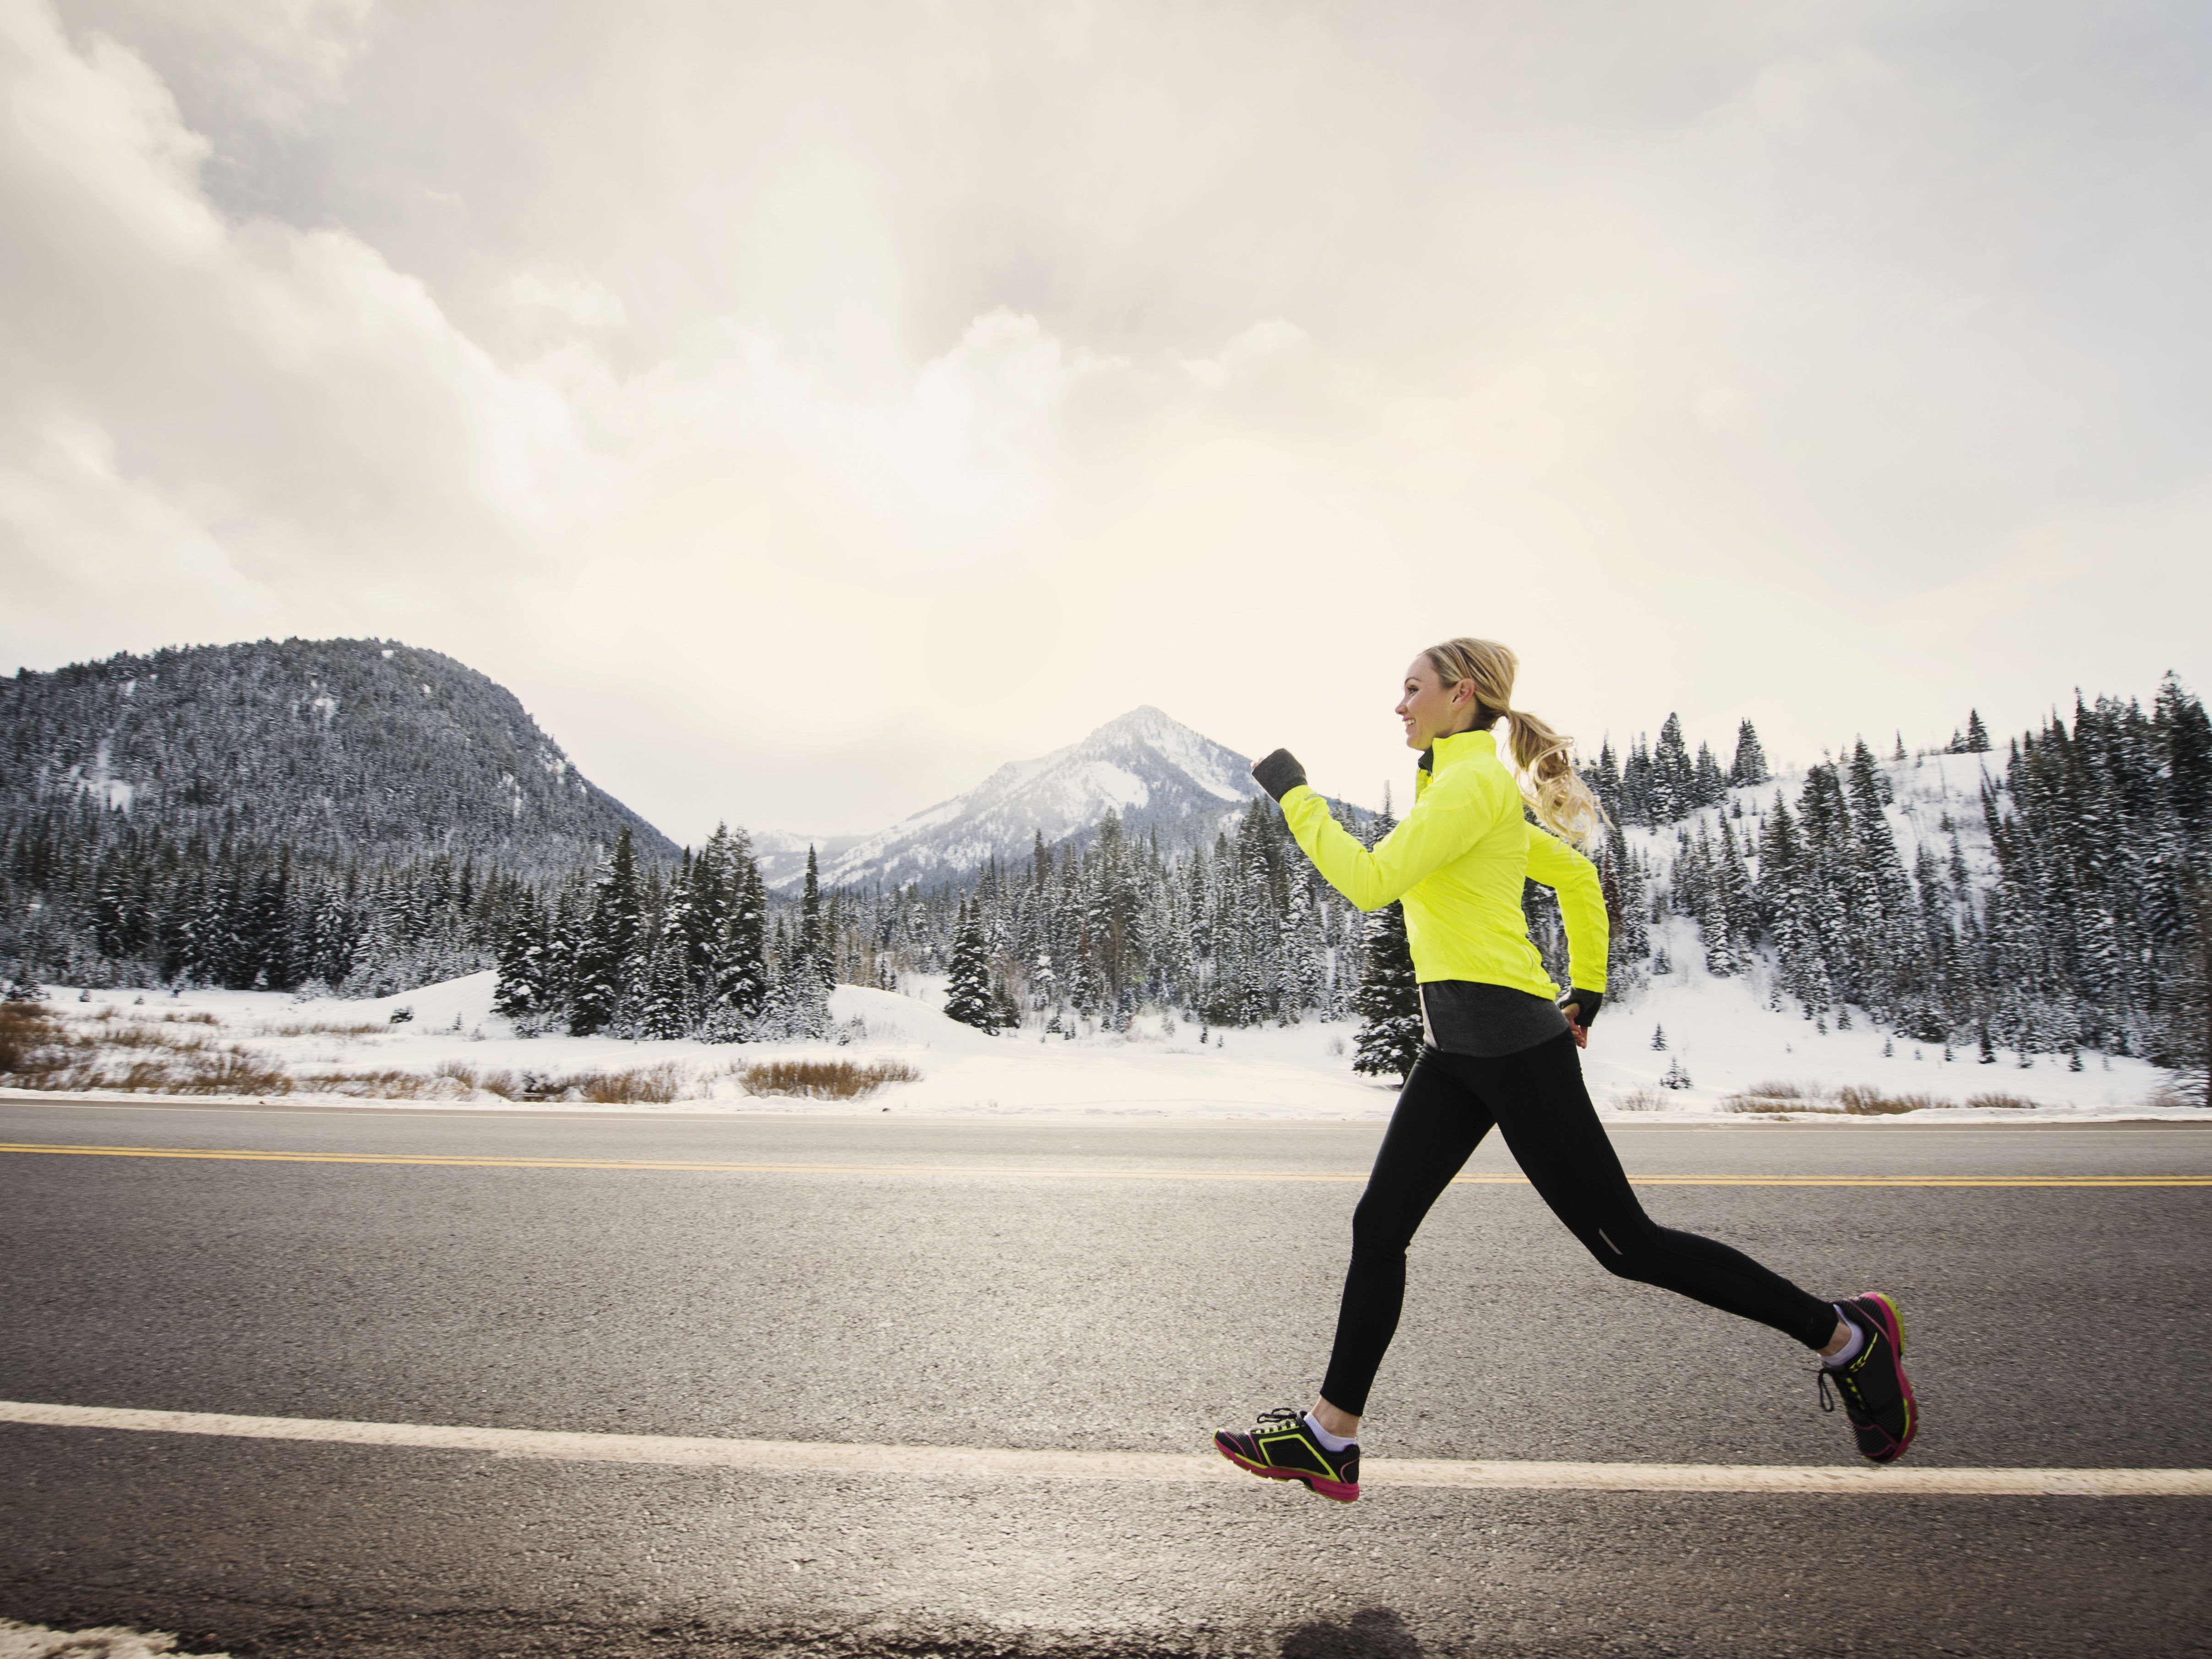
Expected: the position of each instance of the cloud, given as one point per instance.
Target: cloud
(805, 409)
(277, 64)
(278, 393)
(562, 294)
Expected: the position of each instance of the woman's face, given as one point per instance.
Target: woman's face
(1430, 710)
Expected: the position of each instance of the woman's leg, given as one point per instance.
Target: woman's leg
(1545, 1111)
(1438, 1123)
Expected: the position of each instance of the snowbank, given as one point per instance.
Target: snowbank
(1719, 1032)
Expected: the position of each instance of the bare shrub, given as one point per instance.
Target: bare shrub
(1873, 1103)
(654, 1085)
(1637, 1100)
(822, 1079)
(1779, 1096)
(31, 1043)
(151, 1033)
(1994, 1101)
(131, 1056)
(1786, 1091)
(390, 1083)
(232, 1071)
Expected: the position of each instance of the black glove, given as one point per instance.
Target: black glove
(1279, 773)
(1590, 1002)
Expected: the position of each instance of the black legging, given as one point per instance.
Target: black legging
(1538, 1098)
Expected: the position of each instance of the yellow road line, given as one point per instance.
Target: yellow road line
(1002, 1463)
(1003, 1172)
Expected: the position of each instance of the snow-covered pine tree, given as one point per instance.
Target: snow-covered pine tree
(1708, 786)
(798, 1003)
(1674, 780)
(1749, 766)
(1389, 999)
(740, 954)
(611, 941)
(519, 995)
(968, 994)
(1303, 953)
(665, 1009)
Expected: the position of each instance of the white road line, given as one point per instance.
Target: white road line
(998, 1464)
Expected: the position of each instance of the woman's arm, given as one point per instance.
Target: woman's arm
(1582, 906)
(1441, 825)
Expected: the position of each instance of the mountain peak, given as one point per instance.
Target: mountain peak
(1157, 773)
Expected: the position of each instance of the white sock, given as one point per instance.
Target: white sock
(1335, 1442)
(1856, 1341)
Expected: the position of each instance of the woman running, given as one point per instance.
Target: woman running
(1498, 1049)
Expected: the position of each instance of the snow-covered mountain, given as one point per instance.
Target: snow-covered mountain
(1154, 771)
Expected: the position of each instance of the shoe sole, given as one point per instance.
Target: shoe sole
(1892, 1323)
(1340, 1491)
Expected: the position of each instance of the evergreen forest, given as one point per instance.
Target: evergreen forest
(2080, 924)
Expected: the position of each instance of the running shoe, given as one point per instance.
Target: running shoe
(1877, 1396)
(1282, 1448)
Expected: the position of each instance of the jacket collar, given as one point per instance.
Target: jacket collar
(1460, 745)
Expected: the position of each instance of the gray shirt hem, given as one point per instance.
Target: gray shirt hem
(1487, 1021)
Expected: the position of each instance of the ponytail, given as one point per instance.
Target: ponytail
(1555, 793)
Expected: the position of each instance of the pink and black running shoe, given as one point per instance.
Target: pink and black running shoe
(1282, 1448)
(1877, 1395)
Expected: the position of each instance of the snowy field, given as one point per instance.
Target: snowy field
(1739, 1058)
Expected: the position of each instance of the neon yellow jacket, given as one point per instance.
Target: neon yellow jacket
(1458, 861)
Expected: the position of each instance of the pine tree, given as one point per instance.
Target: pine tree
(1977, 740)
(1389, 999)
(968, 997)
(1708, 787)
(611, 943)
(1749, 766)
(520, 992)
(740, 953)
(667, 1006)
(1674, 782)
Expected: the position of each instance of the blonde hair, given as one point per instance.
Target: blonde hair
(1556, 794)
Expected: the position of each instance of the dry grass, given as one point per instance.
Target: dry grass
(1873, 1103)
(37, 1051)
(822, 1079)
(390, 1083)
(1786, 1091)
(27, 1033)
(1779, 1096)
(301, 1028)
(643, 1086)
(1994, 1101)
(1852, 1100)
(1637, 1100)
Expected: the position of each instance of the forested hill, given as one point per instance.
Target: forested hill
(358, 751)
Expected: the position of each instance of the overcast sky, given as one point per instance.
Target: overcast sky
(805, 408)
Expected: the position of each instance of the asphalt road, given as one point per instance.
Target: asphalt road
(1000, 1285)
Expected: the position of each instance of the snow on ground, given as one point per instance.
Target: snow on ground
(1718, 1031)
(20, 1641)
(1728, 1042)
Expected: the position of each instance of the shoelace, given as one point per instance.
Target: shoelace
(1841, 1377)
(1282, 1416)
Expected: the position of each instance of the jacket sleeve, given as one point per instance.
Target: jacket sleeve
(1441, 825)
(1582, 905)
